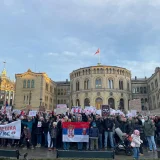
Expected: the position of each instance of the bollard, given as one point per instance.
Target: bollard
(158, 153)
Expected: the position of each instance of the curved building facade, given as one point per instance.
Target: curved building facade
(97, 85)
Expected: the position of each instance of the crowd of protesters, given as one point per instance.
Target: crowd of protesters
(46, 131)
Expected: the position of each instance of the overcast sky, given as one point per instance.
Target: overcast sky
(59, 36)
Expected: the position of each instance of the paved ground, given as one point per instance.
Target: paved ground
(41, 153)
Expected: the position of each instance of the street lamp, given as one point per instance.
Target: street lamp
(30, 94)
(40, 102)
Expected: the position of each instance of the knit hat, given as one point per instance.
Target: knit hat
(136, 132)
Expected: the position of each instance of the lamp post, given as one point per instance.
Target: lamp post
(30, 94)
(40, 102)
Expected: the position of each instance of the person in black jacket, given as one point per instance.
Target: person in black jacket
(99, 124)
(108, 131)
(45, 126)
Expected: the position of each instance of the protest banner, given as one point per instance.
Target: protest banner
(89, 110)
(135, 104)
(11, 130)
(99, 112)
(75, 131)
(76, 110)
(32, 113)
(105, 110)
(16, 111)
(61, 111)
(133, 113)
(61, 106)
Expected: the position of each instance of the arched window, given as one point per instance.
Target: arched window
(28, 84)
(121, 85)
(24, 84)
(110, 84)
(77, 86)
(121, 103)
(98, 103)
(32, 84)
(86, 84)
(77, 102)
(111, 103)
(86, 102)
(98, 83)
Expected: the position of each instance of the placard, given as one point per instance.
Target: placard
(105, 110)
(135, 105)
(32, 113)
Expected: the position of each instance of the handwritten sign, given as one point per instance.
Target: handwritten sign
(32, 113)
(135, 105)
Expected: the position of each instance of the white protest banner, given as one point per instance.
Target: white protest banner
(61, 111)
(99, 112)
(32, 113)
(11, 130)
(135, 104)
(16, 111)
(76, 110)
(133, 113)
(89, 110)
(61, 106)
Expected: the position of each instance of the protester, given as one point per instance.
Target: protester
(46, 130)
(149, 131)
(53, 135)
(93, 135)
(136, 141)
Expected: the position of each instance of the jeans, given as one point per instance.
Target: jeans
(110, 135)
(49, 140)
(39, 139)
(66, 145)
(80, 145)
(151, 143)
(100, 141)
(136, 153)
(46, 139)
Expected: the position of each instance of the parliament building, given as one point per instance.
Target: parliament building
(89, 86)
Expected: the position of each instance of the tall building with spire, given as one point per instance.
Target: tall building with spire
(7, 89)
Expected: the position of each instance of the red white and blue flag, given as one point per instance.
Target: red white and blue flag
(75, 131)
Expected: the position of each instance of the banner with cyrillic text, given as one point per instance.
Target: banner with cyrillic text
(11, 130)
(75, 131)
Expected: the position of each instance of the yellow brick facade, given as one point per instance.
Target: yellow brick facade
(34, 90)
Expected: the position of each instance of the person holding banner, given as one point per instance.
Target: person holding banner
(79, 144)
(66, 145)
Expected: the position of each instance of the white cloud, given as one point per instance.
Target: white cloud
(139, 68)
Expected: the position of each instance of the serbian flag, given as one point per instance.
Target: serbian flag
(75, 131)
(97, 52)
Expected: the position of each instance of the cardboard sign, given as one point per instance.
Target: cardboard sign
(135, 105)
(105, 110)
(32, 113)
